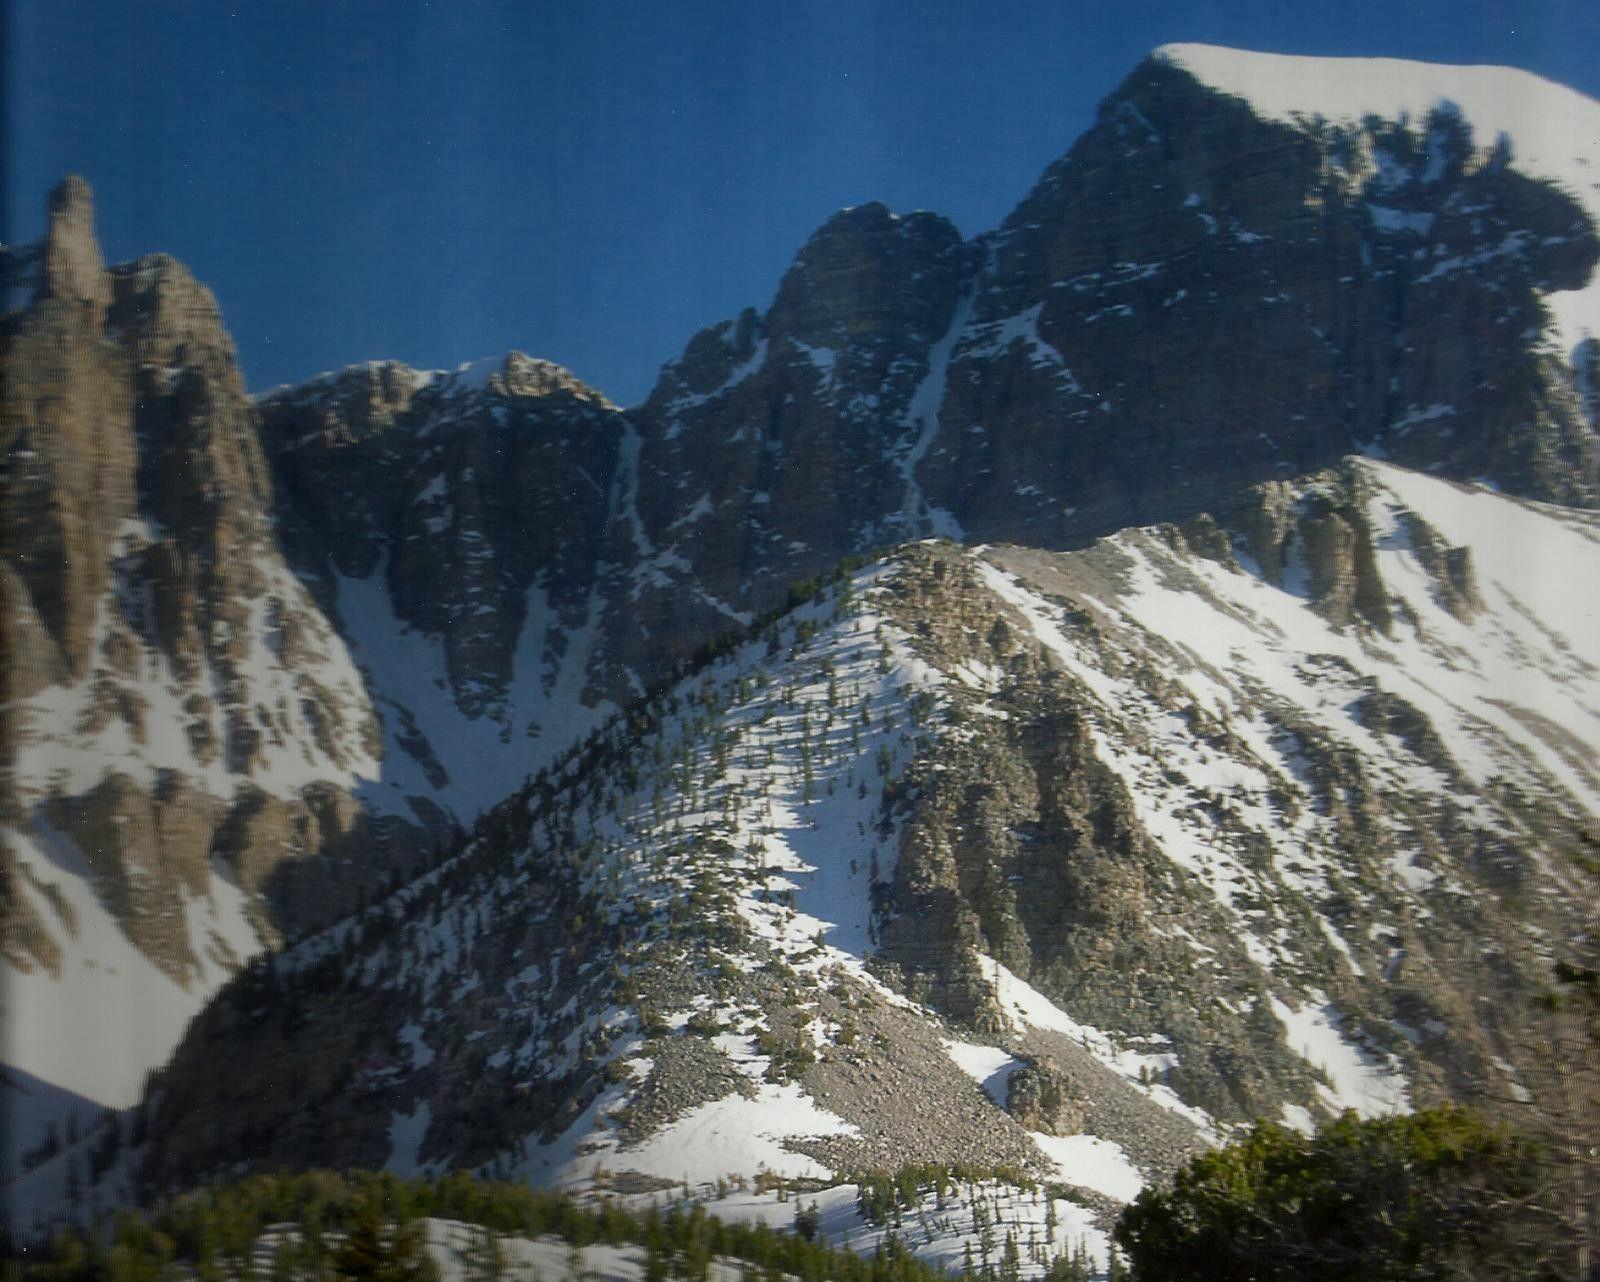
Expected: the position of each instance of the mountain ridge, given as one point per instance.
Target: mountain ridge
(1147, 921)
(412, 590)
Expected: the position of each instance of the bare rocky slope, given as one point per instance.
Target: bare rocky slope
(1148, 873)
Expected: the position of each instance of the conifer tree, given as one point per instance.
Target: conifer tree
(372, 1253)
(485, 1259)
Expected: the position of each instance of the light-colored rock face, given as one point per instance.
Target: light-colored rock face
(72, 268)
(182, 730)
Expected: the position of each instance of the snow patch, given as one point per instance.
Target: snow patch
(1092, 1163)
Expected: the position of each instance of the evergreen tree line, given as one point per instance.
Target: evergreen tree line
(360, 1227)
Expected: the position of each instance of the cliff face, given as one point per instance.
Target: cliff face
(69, 453)
(1200, 294)
(1203, 293)
(468, 512)
(183, 733)
(1207, 291)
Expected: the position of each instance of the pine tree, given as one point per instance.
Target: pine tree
(371, 1254)
(283, 1261)
(485, 1260)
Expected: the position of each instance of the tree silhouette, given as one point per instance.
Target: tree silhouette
(374, 1252)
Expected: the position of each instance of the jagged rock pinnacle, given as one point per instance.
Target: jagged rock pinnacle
(73, 268)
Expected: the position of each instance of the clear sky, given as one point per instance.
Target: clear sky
(593, 180)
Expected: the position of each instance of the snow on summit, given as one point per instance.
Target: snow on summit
(1553, 131)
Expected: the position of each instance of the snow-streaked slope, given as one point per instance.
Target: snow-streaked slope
(110, 1014)
(775, 796)
(1228, 753)
(1552, 130)
(69, 742)
(941, 1228)
(736, 841)
(1495, 685)
(271, 703)
(483, 757)
(752, 796)
(735, 1134)
(946, 1228)
(78, 1041)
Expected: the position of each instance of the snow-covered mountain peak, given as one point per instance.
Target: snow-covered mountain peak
(1540, 116)
(1550, 131)
(1234, 777)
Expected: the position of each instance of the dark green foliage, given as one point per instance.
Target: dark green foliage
(790, 1055)
(376, 1213)
(1073, 1267)
(807, 1221)
(376, 1252)
(880, 1197)
(1429, 1195)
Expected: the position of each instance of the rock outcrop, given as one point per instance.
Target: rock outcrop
(465, 493)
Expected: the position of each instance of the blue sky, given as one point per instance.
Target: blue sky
(592, 182)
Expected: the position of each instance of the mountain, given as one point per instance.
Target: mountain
(1228, 754)
(454, 524)
(971, 860)
(1074, 372)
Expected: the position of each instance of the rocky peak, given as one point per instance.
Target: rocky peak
(1074, 372)
(170, 321)
(172, 700)
(524, 375)
(480, 494)
(64, 416)
(1365, 269)
(339, 408)
(868, 272)
(516, 375)
(709, 360)
(72, 268)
